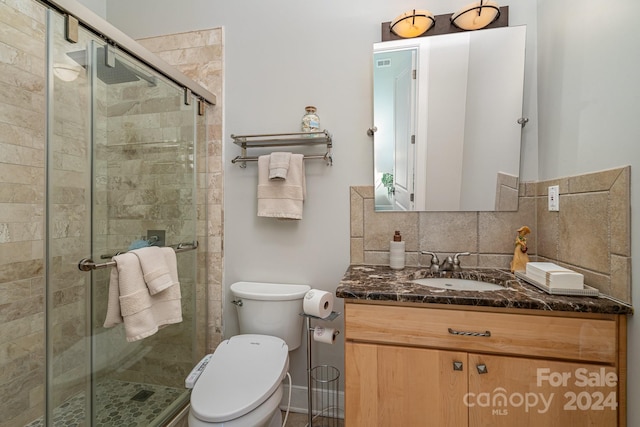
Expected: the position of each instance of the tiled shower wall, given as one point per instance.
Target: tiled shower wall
(590, 233)
(22, 177)
(198, 54)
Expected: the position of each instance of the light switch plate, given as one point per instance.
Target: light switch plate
(554, 198)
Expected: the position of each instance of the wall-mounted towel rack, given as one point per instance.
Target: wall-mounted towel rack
(87, 264)
(283, 140)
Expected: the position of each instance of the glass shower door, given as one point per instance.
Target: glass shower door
(144, 191)
(121, 172)
(68, 227)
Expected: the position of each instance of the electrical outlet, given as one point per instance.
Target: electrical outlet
(554, 198)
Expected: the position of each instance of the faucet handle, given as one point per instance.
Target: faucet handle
(456, 260)
(455, 257)
(435, 262)
(434, 257)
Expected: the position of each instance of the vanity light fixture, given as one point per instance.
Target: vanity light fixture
(412, 23)
(477, 15)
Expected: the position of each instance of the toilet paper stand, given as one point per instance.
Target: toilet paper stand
(310, 331)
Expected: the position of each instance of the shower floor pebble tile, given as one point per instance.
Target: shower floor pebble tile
(114, 406)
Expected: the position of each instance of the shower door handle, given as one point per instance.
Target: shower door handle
(87, 264)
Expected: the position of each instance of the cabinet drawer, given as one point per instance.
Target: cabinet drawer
(583, 339)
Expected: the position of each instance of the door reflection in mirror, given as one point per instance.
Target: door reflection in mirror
(394, 111)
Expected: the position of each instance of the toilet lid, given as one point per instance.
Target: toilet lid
(243, 372)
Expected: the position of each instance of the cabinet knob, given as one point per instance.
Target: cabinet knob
(482, 368)
(457, 366)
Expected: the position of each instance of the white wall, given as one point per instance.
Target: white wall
(280, 56)
(589, 94)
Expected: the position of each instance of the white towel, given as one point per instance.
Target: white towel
(131, 303)
(279, 165)
(281, 198)
(157, 265)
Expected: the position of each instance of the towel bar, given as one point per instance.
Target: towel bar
(282, 140)
(328, 157)
(87, 264)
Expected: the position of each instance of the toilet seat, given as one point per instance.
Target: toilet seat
(243, 373)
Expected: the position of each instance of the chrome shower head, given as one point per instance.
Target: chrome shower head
(119, 73)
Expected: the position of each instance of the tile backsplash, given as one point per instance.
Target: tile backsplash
(590, 233)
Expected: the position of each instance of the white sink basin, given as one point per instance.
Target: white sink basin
(458, 284)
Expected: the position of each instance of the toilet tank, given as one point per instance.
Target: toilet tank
(270, 309)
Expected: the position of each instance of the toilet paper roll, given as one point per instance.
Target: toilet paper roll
(318, 303)
(324, 335)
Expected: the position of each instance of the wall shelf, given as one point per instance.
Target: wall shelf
(283, 140)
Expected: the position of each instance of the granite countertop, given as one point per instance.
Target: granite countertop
(381, 283)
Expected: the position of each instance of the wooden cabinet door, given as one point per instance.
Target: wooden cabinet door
(513, 391)
(404, 386)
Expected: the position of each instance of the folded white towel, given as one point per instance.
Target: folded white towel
(279, 165)
(157, 264)
(131, 303)
(281, 198)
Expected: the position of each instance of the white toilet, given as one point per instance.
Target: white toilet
(241, 385)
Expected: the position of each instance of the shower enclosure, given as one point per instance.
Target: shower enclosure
(115, 148)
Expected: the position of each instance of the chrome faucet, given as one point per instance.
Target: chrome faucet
(449, 264)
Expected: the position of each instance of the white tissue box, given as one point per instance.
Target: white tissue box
(554, 276)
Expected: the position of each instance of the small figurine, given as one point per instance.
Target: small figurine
(520, 257)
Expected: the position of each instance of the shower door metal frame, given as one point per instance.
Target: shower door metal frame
(116, 37)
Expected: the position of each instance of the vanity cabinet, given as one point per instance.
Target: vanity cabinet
(450, 366)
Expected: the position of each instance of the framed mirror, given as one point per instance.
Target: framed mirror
(447, 111)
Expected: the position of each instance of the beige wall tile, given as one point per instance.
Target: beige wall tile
(542, 187)
(366, 191)
(183, 40)
(497, 230)
(583, 231)
(620, 213)
(357, 250)
(357, 214)
(506, 198)
(547, 229)
(380, 227)
(621, 277)
(495, 261)
(448, 231)
(529, 188)
(376, 258)
(597, 181)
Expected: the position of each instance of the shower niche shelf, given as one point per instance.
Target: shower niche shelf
(283, 140)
